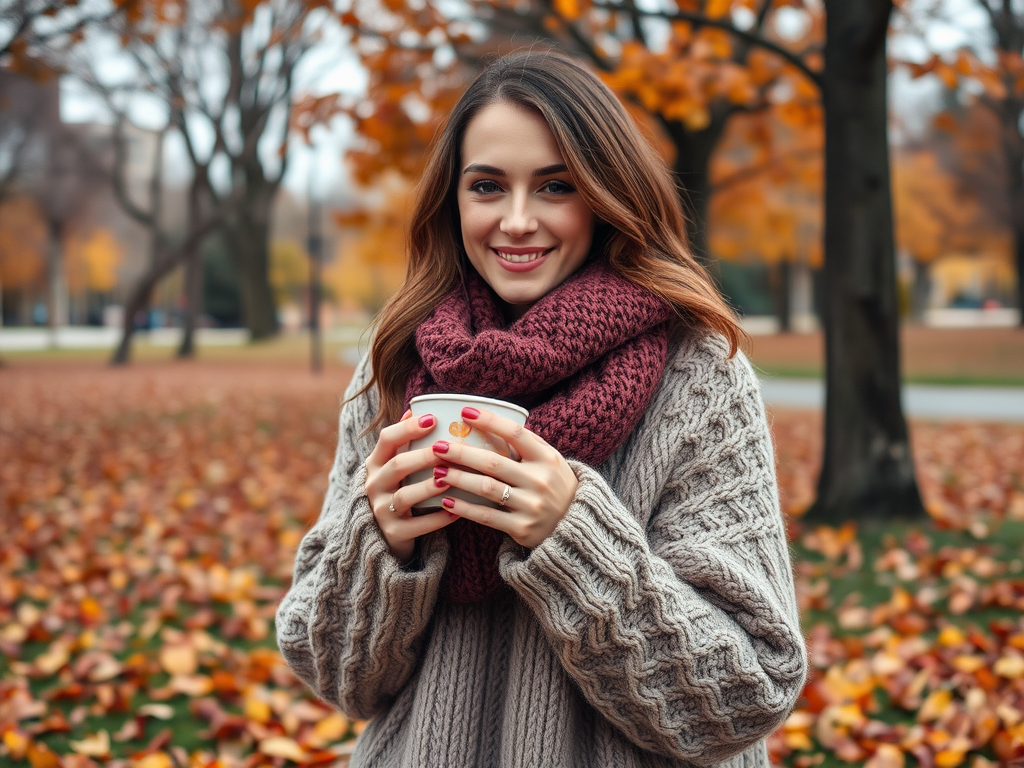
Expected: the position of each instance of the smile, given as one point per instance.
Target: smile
(520, 255)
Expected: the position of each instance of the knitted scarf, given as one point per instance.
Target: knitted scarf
(585, 360)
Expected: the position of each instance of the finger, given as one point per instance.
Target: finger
(407, 498)
(473, 482)
(498, 519)
(398, 434)
(400, 466)
(480, 459)
(519, 437)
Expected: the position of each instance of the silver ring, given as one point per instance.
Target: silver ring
(504, 496)
(391, 504)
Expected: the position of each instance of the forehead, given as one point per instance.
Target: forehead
(503, 134)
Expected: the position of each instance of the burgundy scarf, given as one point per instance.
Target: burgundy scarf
(585, 360)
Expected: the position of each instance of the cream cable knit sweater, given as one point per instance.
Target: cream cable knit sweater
(656, 626)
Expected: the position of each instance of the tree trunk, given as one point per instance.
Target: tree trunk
(250, 249)
(921, 290)
(57, 296)
(783, 279)
(1017, 224)
(139, 299)
(867, 469)
(193, 295)
(692, 169)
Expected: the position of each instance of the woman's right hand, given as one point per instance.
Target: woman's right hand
(391, 502)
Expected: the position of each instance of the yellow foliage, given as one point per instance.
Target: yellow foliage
(289, 269)
(91, 261)
(371, 266)
(22, 243)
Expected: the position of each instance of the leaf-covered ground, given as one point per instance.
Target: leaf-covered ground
(150, 517)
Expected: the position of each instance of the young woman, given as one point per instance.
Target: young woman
(630, 602)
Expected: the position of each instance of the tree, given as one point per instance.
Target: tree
(867, 468)
(766, 207)
(994, 68)
(224, 73)
(691, 69)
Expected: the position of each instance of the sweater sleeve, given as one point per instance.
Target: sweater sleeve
(351, 625)
(679, 623)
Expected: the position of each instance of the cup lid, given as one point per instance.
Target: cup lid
(485, 401)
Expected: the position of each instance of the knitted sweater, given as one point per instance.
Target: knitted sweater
(656, 626)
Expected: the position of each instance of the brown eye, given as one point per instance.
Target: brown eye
(556, 187)
(485, 187)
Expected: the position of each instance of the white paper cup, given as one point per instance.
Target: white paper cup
(449, 426)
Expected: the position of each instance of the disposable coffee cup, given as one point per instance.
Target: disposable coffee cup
(451, 427)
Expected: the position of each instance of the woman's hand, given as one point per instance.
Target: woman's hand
(392, 504)
(540, 486)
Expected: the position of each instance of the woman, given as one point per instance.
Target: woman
(630, 602)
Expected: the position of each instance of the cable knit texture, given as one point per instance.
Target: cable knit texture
(656, 626)
(585, 360)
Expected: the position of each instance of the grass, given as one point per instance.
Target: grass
(972, 356)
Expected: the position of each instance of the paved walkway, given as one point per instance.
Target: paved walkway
(926, 401)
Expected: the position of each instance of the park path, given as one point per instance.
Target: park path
(921, 401)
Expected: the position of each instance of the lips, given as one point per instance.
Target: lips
(512, 255)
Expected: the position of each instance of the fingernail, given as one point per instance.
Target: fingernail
(427, 421)
(440, 472)
(469, 412)
(448, 503)
(440, 482)
(440, 447)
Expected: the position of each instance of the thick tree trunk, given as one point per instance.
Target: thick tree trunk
(867, 469)
(250, 247)
(1017, 223)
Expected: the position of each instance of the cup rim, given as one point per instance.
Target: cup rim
(471, 399)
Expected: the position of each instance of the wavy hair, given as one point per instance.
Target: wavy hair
(641, 227)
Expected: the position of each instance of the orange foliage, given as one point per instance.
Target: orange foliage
(23, 241)
(767, 203)
(151, 521)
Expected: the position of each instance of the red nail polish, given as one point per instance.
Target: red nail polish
(426, 421)
(469, 412)
(448, 503)
(440, 471)
(440, 482)
(440, 447)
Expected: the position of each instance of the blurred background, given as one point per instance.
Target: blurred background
(249, 165)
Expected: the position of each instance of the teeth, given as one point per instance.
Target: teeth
(520, 258)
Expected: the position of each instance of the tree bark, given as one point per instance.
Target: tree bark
(867, 469)
(193, 295)
(692, 169)
(250, 248)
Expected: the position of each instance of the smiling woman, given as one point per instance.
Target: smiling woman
(627, 599)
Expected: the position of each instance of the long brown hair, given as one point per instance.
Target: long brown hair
(641, 229)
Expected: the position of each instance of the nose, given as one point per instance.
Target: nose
(518, 218)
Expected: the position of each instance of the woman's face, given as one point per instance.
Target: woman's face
(524, 226)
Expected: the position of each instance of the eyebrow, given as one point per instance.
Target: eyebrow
(547, 170)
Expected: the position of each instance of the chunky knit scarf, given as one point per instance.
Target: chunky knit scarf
(585, 360)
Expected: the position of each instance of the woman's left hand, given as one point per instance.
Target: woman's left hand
(540, 486)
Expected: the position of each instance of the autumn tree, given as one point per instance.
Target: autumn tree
(766, 205)
(691, 69)
(989, 73)
(867, 468)
(225, 74)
